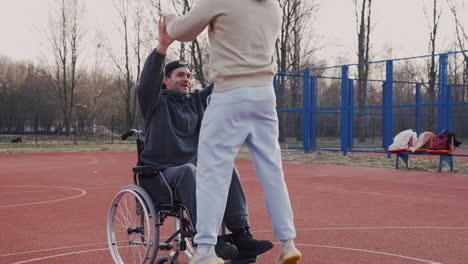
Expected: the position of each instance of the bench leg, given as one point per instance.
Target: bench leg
(404, 157)
(448, 159)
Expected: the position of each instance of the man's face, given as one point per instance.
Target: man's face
(179, 80)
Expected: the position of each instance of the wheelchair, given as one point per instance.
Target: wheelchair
(137, 213)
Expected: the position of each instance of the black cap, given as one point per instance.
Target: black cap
(172, 66)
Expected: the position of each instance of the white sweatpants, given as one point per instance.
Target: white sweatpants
(246, 114)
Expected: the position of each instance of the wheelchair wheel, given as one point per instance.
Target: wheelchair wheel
(132, 230)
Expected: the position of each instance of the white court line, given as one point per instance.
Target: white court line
(304, 245)
(371, 251)
(368, 228)
(50, 249)
(26, 192)
(60, 255)
(82, 193)
(59, 248)
(87, 188)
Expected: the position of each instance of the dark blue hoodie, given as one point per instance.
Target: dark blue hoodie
(172, 119)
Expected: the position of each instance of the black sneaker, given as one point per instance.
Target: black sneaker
(225, 250)
(249, 248)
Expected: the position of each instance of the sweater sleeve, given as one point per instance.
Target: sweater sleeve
(189, 26)
(149, 86)
(205, 93)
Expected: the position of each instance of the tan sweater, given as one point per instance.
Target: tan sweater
(242, 35)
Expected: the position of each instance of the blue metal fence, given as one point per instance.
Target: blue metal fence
(319, 110)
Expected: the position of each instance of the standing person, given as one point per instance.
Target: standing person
(242, 35)
(173, 118)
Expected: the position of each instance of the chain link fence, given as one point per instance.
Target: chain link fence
(82, 131)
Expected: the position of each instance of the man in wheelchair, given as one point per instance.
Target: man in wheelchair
(173, 116)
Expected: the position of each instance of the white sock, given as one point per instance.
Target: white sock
(203, 249)
(283, 242)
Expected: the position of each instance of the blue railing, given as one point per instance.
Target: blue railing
(346, 114)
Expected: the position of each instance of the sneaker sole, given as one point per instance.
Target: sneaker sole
(242, 261)
(254, 253)
(291, 260)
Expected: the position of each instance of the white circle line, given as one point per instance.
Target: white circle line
(50, 249)
(371, 251)
(304, 245)
(82, 193)
(60, 255)
(369, 228)
(59, 248)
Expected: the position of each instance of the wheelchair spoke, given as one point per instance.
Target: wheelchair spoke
(131, 230)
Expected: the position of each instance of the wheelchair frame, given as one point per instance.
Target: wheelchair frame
(133, 228)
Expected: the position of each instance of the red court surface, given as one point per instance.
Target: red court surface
(53, 209)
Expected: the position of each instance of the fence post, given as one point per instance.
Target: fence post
(418, 109)
(313, 112)
(112, 129)
(442, 96)
(36, 120)
(387, 104)
(449, 108)
(76, 127)
(350, 113)
(344, 120)
(306, 111)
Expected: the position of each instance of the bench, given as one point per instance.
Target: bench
(444, 154)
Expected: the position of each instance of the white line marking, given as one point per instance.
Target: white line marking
(50, 249)
(59, 248)
(304, 245)
(371, 251)
(367, 228)
(82, 193)
(60, 255)
(27, 192)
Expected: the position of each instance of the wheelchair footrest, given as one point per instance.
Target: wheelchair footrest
(165, 246)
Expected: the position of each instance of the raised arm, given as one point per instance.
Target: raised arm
(205, 93)
(149, 86)
(190, 25)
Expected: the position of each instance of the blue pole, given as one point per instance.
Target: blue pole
(344, 109)
(418, 109)
(449, 108)
(306, 111)
(313, 114)
(442, 116)
(351, 112)
(387, 103)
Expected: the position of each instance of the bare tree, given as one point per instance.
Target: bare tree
(293, 48)
(294, 51)
(4, 91)
(363, 22)
(431, 64)
(98, 84)
(194, 53)
(65, 38)
(129, 62)
(461, 44)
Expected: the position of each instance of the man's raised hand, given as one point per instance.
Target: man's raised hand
(164, 39)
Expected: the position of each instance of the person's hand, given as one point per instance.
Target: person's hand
(169, 17)
(164, 39)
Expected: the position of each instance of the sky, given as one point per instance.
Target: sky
(399, 25)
